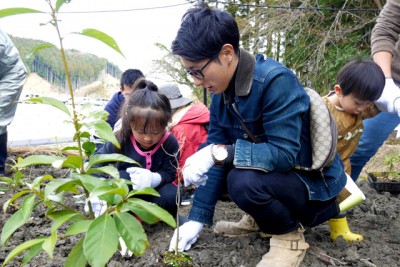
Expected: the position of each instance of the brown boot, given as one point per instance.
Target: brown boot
(286, 250)
(245, 226)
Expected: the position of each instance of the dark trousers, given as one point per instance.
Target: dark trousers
(167, 198)
(277, 201)
(3, 151)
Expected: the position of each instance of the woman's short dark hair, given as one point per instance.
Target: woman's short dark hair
(203, 32)
(362, 78)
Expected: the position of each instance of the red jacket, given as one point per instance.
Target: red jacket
(189, 129)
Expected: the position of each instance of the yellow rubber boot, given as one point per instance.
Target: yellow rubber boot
(340, 227)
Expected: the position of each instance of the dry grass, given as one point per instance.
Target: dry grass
(54, 150)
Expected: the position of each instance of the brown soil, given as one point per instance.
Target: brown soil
(377, 219)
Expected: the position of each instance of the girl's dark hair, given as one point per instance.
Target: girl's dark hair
(145, 109)
(362, 78)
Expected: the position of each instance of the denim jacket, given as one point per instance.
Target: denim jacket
(274, 107)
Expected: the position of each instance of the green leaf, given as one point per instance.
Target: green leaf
(17, 11)
(132, 232)
(59, 198)
(104, 158)
(76, 257)
(7, 180)
(49, 244)
(107, 190)
(59, 185)
(18, 176)
(60, 3)
(34, 51)
(17, 219)
(101, 240)
(110, 170)
(21, 248)
(146, 210)
(33, 251)
(36, 160)
(78, 227)
(61, 216)
(103, 37)
(89, 147)
(73, 162)
(51, 101)
(145, 191)
(89, 182)
(70, 148)
(38, 180)
(13, 198)
(104, 130)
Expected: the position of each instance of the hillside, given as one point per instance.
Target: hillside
(84, 68)
(103, 88)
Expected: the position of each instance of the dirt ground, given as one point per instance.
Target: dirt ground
(377, 219)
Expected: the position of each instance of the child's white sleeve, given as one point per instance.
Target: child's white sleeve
(390, 98)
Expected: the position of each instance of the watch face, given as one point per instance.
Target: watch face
(220, 153)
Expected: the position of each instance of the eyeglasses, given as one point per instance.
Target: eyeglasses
(198, 73)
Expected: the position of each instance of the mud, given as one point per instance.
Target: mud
(377, 219)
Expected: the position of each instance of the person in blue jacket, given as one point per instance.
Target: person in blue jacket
(260, 175)
(113, 106)
(12, 79)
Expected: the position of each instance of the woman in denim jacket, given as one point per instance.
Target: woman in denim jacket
(260, 176)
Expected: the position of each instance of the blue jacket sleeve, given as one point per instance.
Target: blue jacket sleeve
(113, 107)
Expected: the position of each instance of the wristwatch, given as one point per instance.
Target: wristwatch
(219, 153)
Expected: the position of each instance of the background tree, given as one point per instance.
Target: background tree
(314, 38)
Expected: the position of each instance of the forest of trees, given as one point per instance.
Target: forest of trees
(84, 68)
(314, 38)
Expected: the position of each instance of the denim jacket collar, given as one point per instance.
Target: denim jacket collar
(244, 76)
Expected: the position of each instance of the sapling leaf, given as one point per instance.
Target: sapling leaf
(143, 214)
(7, 180)
(32, 252)
(13, 198)
(36, 160)
(22, 247)
(76, 257)
(37, 49)
(37, 182)
(78, 227)
(107, 190)
(49, 244)
(52, 102)
(58, 198)
(147, 211)
(106, 158)
(72, 162)
(103, 37)
(67, 185)
(110, 170)
(89, 182)
(132, 232)
(104, 130)
(145, 191)
(70, 148)
(17, 219)
(89, 148)
(17, 11)
(101, 241)
(61, 216)
(17, 176)
(59, 4)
